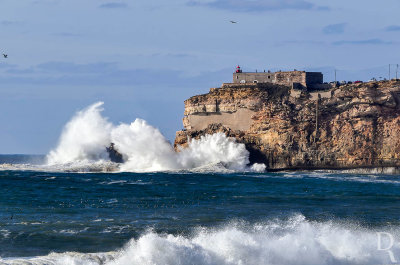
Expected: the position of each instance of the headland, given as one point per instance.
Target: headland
(292, 120)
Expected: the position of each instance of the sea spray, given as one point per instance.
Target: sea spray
(144, 149)
(274, 242)
(84, 138)
(214, 148)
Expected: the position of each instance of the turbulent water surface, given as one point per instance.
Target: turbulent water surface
(202, 205)
(196, 218)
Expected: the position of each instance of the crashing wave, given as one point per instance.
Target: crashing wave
(294, 241)
(86, 137)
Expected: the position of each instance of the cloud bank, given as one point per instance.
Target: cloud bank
(113, 5)
(334, 28)
(393, 28)
(363, 42)
(258, 5)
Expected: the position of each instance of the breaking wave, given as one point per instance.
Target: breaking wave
(294, 241)
(84, 137)
(144, 149)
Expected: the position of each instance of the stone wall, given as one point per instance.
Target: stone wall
(288, 78)
(253, 77)
(220, 106)
(314, 78)
(304, 79)
(240, 119)
(319, 87)
(247, 85)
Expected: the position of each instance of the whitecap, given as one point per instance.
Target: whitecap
(277, 242)
(83, 142)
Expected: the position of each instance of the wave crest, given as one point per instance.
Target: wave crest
(85, 138)
(295, 241)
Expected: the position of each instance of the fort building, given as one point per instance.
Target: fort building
(295, 79)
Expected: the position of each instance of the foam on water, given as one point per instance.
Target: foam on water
(294, 241)
(84, 140)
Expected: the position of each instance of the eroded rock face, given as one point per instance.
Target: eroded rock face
(348, 127)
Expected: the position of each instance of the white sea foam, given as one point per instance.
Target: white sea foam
(4, 233)
(257, 167)
(113, 182)
(295, 241)
(72, 231)
(85, 137)
(84, 140)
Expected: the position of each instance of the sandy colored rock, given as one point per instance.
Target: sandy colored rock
(348, 127)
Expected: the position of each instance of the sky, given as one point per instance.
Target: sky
(144, 58)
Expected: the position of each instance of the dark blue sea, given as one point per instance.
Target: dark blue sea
(199, 218)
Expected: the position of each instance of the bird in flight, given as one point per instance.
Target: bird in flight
(5, 55)
(233, 22)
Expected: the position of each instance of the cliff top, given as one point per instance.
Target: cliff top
(271, 91)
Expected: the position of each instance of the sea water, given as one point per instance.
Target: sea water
(197, 218)
(205, 204)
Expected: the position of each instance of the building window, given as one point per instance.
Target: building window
(269, 77)
(255, 81)
(237, 77)
(242, 81)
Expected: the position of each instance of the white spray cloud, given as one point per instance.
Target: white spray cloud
(83, 138)
(212, 149)
(143, 147)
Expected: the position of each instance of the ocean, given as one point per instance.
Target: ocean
(314, 217)
(205, 204)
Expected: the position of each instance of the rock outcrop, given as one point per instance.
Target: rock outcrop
(352, 126)
(114, 155)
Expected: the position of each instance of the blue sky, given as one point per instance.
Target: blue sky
(144, 58)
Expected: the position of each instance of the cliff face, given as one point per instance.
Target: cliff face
(347, 127)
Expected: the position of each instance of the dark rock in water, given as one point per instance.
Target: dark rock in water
(114, 155)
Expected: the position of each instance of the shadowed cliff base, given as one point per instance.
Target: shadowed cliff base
(346, 127)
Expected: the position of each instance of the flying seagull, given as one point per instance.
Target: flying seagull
(233, 22)
(5, 55)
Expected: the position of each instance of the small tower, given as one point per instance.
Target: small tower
(238, 70)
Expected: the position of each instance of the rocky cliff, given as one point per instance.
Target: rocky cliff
(351, 126)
